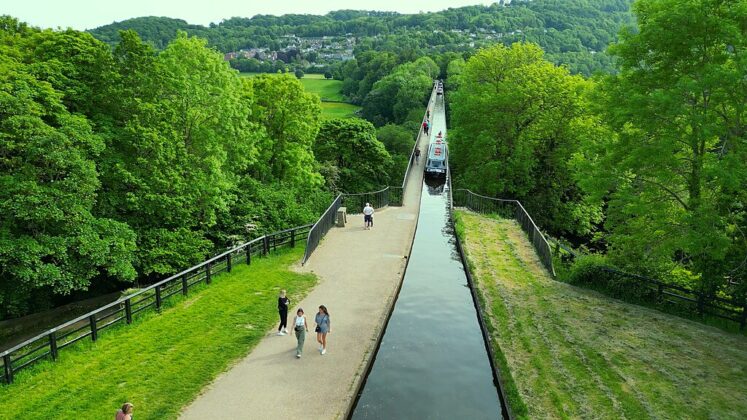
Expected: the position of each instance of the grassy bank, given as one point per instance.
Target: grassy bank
(162, 361)
(575, 353)
(327, 89)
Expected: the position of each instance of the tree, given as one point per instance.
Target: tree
(298, 73)
(350, 145)
(515, 128)
(168, 168)
(289, 117)
(50, 241)
(675, 171)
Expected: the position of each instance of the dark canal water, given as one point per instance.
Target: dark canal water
(432, 363)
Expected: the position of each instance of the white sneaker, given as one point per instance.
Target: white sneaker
(285, 330)
(281, 333)
(298, 356)
(324, 351)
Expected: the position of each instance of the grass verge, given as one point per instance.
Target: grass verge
(327, 89)
(575, 353)
(163, 361)
(338, 110)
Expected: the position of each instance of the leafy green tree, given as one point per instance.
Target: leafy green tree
(49, 238)
(298, 73)
(674, 167)
(289, 117)
(168, 166)
(350, 145)
(515, 129)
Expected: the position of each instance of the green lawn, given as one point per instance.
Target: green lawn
(574, 353)
(327, 89)
(338, 110)
(162, 361)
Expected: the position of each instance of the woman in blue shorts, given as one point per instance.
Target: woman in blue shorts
(322, 328)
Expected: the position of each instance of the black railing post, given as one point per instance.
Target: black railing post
(265, 245)
(158, 298)
(185, 285)
(228, 263)
(53, 344)
(249, 254)
(128, 311)
(207, 273)
(8, 369)
(293, 238)
(94, 330)
(660, 293)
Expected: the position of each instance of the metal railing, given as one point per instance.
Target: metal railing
(321, 227)
(48, 344)
(664, 294)
(508, 209)
(377, 199)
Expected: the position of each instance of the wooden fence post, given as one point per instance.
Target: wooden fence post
(207, 273)
(228, 263)
(94, 330)
(293, 238)
(128, 311)
(53, 344)
(158, 298)
(249, 254)
(185, 285)
(265, 245)
(8, 369)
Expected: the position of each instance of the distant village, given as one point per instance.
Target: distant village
(320, 51)
(317, 50)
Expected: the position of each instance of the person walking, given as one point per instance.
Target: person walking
(417, 154)
(368, 212)
(322, 328)
(301, 327)
(283, 304)
(425, 126)
(427, 114)
(124, 413)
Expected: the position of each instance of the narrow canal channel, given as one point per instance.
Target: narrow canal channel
(432, 362)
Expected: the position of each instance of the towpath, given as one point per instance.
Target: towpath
(359, 272)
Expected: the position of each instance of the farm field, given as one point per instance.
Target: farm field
(568, 352)
(162, 361)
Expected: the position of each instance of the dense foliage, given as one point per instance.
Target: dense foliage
(517, 120)
(649, 164)
(572, 32)
(129, 163)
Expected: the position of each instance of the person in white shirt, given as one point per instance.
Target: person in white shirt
(301, 328)
(368, 212)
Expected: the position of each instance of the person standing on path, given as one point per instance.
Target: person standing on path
(417, 154)
(301, 327)
(368, 212)
(425, 126)
(283, 304)
(322, 328)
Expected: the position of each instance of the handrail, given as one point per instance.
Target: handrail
(321, 227)
(538, 239)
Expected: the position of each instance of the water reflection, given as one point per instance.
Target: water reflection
(432, 363)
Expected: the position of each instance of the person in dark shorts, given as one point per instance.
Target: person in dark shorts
(283, 304)
(417, 154)
(368, 212)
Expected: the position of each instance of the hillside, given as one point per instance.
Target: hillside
(574, 32)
